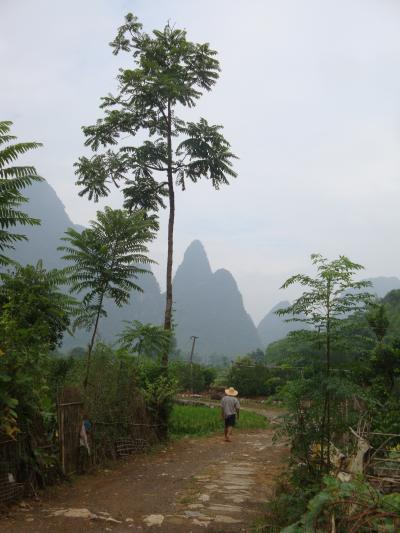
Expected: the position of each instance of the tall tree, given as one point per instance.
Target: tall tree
(105, 261)
(169, 73)
(13, 179)
(331, 296)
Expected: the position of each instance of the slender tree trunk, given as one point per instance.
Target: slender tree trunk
(171, 194)
(89, 356)
(328, 370)
(323, 434)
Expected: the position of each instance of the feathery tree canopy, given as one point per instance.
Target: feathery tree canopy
(169, 73)
(34, 314)
(330, 296)
(105, 261)
(145, 339)
(13, 179)
(33, 307)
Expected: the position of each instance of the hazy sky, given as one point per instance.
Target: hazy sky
(309, 96)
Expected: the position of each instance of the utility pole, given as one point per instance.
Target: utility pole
(191, 362)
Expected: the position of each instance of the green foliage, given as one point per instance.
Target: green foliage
(168, 70)
(361, 343)
(34, 312)
(33, 317)
(59, 370)
(385, 363)
(288, 504)
(199, 420)
(127, 396)
(385, 414)
(392, 305)
(196, 377)
(159, 394)
(114, 386)
(305, 421)
(168, 73)
(378, 320)
(78, 351)
(145, 339)
(249, 377)
(352, 507)
(253, 378)
(13, 179)
(257, 355)
(332, 295)
(105, 259)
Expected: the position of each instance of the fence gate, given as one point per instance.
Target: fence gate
(69, 426)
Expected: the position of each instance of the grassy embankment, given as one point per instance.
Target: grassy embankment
(188, 420)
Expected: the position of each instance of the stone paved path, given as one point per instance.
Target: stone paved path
(192, 485)
(228, 495)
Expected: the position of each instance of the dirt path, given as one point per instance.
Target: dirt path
(188, 486)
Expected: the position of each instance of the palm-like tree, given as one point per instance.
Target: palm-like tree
(146, 339)
(105, 261)
(13, 179)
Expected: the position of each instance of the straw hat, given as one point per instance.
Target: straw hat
(231, 392)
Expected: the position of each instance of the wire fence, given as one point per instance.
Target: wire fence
(11, 453)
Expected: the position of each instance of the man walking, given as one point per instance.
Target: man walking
(230, 407)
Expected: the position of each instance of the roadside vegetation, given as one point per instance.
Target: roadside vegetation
(342, 394)
(187, 420)
(338, 377)
(122, 394)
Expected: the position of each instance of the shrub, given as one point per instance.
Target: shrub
(198, 378)
(352, 507)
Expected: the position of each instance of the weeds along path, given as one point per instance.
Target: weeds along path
(190, 485)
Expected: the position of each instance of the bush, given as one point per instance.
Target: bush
(288, 504)
(33, 318)
(126, 396)
(253, 378)
(355, 506)
(249, 377)
(200, 379)
(306, 423)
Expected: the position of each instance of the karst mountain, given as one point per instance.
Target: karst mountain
(207, 304)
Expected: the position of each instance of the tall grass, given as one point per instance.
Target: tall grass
(199, 420)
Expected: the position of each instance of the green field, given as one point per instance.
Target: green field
(188, 420)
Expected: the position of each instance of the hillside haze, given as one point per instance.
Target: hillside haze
(43, 242)
(208, 305)
(273, 327)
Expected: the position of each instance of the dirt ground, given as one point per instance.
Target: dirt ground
(187, 486)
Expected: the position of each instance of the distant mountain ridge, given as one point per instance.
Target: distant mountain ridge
(383, 284)
(44, 239)
(206, 304)
(273, 327)
(43, 242)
